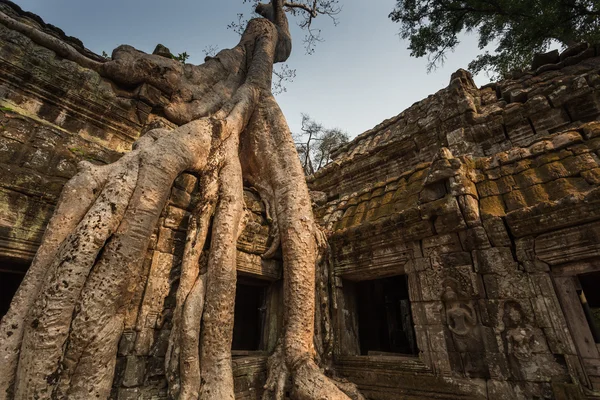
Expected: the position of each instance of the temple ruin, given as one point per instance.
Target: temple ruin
(464, 232)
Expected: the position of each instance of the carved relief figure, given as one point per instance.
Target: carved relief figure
(519, 334)
(460, 315)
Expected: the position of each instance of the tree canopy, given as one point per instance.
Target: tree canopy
(517, 28)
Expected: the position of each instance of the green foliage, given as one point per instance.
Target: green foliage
(105, 55)
(182, 57)
(518, 28)
(82, 154)
(77, 151)
(6, 109)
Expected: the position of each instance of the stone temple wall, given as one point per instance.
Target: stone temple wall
(464, 232)
(487, 201)
(469, 120)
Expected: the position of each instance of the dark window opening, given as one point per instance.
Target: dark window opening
(589, 296)
(248, 324)
(11, 275)
(385, 322)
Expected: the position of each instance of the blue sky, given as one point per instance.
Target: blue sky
(360, 75)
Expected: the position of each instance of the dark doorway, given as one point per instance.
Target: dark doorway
(11, 275)
(589, 295)
(385, 322)
(249, 314)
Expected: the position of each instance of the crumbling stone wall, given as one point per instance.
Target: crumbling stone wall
(468, 120)
(487, 200)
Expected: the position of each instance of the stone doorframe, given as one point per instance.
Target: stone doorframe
(566, 284)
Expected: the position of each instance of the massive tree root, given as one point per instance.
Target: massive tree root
(60, 336)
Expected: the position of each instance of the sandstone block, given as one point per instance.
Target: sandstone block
(135, 369)
(492, 207)
(474, 238)
(186, 182)
(591, 129)
(128, 394)
(432, 192)
(496, 232)
(495, 260)
(536, 194)
(592, 176)
(127, 343)
(488, 188)
(514, 200)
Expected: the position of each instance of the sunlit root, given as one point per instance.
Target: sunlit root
(278, 376)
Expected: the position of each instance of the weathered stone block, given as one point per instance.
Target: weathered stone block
(135, 369)
(186, 182)
(492, 207)
(584, 107)
(176, 218)
(432, 192)
(496, 232)
(441, 244)
(513, 286)
(488, 188)
(536, 194)
(129, 394)
(421, 264)
(500, 390)
(581, 162)
(514, 200)
(127, 343)
(528, 177)
(552, 171)
(496, 260)
(591, 129)
(566, 391)
(161, 343)
(474, 238)
(422, 338)
(592, 176)
(170, 241)
(469, 207)
(180, 198)
(520, 132)
(433, 312)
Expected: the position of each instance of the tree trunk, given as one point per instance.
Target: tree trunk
(59, 338)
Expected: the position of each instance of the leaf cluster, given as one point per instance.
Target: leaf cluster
(517, 28)
(181, 57)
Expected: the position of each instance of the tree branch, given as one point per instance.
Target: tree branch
(310, 10)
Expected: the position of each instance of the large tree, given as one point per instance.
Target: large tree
(315, 144)
(59, 338)
(517, 28)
